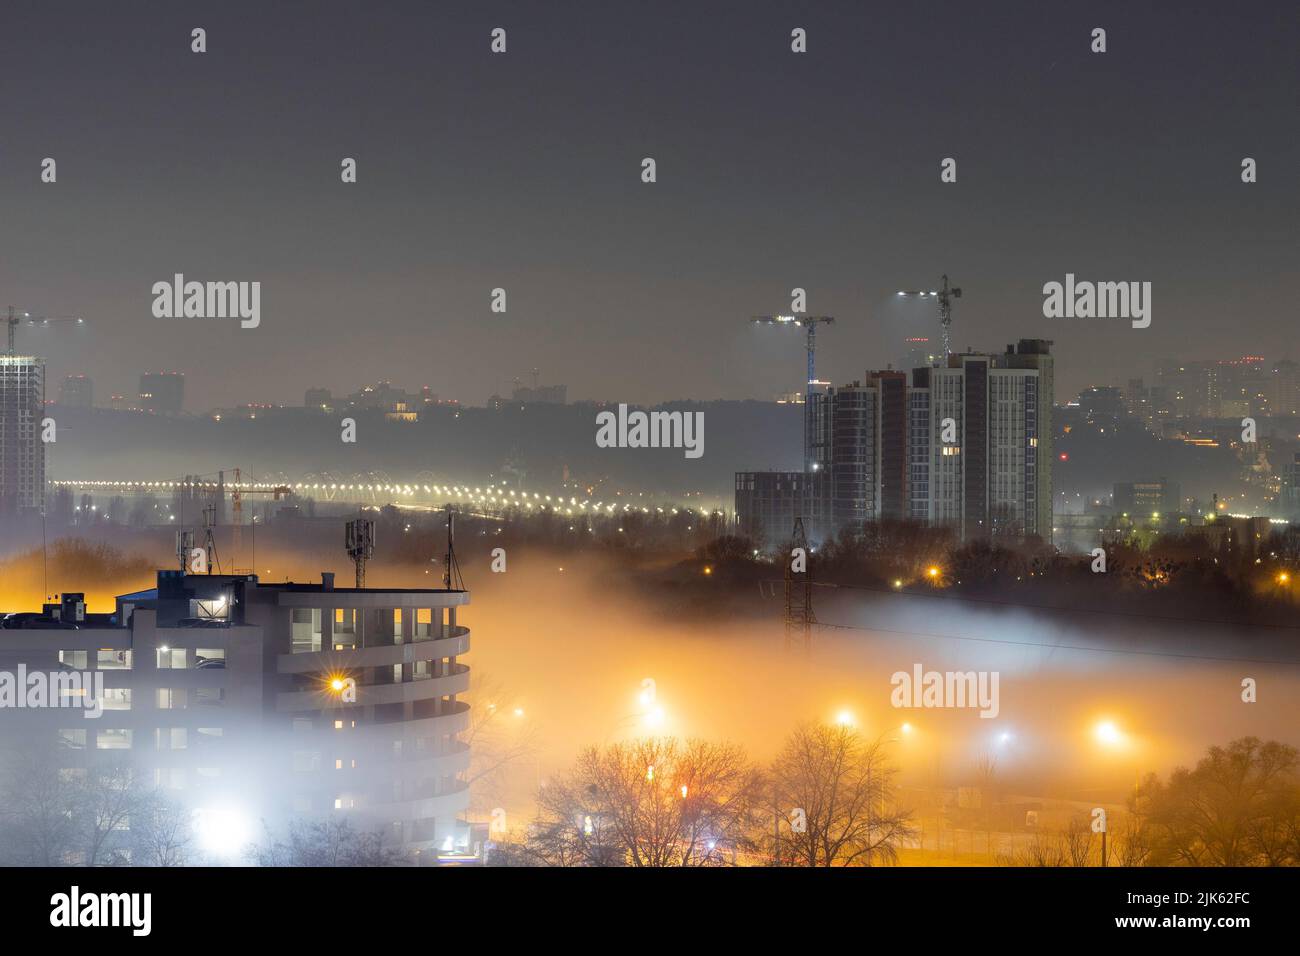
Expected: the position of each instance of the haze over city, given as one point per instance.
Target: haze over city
(603, 436)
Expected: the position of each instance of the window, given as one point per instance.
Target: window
(108, 659)
(171, 738)
(172, 698)
(171, 658)
(117, 698)
(73, 739)
(424, 622)
(305, 629)
(209, 696)
(73, 659)
(212, 609)
(113, 740)
(306, 761)
(170, 777)
(210, 657)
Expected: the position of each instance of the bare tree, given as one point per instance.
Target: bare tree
(162, 832)
(38, 809)
(324, 843)
(1240, 806)
(498, 740)
(652, 802)
(839, 789)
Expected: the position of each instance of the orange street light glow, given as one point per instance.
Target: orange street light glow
(1108, 734)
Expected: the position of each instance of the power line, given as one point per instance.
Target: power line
(1057, 608)
(1053, 647)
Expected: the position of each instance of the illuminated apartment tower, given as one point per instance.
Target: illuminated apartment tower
(22, 453)
(995, 474)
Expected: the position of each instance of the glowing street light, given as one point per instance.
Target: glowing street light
(1108, 734)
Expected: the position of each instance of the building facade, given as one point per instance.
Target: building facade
(22, 452)
(966, 445)
(269, 701)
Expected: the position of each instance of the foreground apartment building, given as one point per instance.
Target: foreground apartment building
(267, 701)
(966, 444)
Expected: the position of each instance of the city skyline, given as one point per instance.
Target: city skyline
(775, 172)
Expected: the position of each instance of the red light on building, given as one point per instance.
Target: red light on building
(1064, 456)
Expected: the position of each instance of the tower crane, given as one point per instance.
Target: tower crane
(237, 492)
(945, 296)
(15, 317)
(809, 322)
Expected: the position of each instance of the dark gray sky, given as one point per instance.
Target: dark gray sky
(523, 171)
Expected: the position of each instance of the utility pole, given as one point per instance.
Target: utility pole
(451, 569)
(799, 617)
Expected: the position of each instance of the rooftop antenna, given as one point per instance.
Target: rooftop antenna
(451, 570)
(360, 541)
(209, 542)
(184, 545)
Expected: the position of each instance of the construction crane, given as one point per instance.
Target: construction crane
(15, 317)
(237, 492)
(945, 297)
(809, 322)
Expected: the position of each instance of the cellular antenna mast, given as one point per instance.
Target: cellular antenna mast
(360, 541)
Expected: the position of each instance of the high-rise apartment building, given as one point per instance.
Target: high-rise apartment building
(966, 445)
(22, 453)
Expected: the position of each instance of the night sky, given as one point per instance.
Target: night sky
(522, 170)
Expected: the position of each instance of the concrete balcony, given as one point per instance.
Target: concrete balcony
(456, 682)
(384, 655)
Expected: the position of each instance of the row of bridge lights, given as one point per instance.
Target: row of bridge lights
(478, 495)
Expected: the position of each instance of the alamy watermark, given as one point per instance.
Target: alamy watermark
(179, 299)
(1098, 300)
(638, 429)
(38, 690)
(922, 688)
